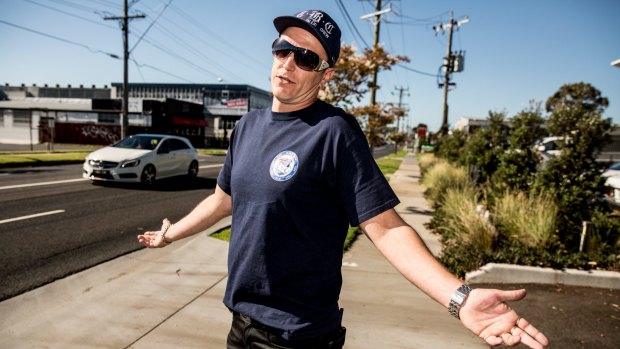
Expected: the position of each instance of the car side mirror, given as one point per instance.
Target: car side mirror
(163, 151)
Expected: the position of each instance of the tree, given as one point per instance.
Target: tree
(351, 81)
(450, 147)
(378, 117)
(579, 95)
(485, 147)
(518, 165)
(574, 177)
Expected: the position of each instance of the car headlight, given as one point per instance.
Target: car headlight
(130, 163)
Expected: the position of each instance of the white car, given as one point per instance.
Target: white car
(612, 184)
(612, 171)
(142, 158)
(612, 190)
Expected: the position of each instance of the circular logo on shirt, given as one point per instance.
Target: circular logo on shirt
(284, 166)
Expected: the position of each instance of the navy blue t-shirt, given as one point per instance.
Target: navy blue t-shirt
(297, 180)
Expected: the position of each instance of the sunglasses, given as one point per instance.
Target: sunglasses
(304, 58)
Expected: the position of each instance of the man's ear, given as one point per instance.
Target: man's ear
(328, 75)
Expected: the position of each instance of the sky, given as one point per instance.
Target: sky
(516, 51)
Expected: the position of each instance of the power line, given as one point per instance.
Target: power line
(139, 65)
(69, 14)
(76, 6)
(150, 25)
(200, 25)
(418, 71)
(61, 39)
(181, 58)
(350, 22)
(111, 4)
(194, 51)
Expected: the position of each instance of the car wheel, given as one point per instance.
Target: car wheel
(148, 175)
(192, 172)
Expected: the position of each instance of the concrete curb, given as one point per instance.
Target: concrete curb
(512, 274)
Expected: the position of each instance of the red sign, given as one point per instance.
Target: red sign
(241, 102)
(179, 120)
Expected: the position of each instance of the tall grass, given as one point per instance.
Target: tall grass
(441, 177)
(531, 220)
(426, 161)
(463, 219)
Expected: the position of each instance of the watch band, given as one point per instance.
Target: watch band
(457, 300)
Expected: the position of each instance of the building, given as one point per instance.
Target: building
(470, 125)
(205, 113)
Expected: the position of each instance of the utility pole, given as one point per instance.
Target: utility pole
(125, 27)
(401, 92)
(449, 64)
(373, 88)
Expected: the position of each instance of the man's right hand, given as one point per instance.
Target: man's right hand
(154, 239)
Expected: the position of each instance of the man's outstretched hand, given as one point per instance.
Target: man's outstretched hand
(154, 239)
(486, 314)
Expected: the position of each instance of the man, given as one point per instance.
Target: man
(294, 178)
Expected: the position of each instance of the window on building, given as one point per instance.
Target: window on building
(112, 119)
(21, 118)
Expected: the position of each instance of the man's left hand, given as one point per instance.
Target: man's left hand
(486, 313)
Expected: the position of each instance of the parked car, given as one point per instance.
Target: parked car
(142, 158)
(612, 184)
(549, 147)
(613, 170)
(612, 191)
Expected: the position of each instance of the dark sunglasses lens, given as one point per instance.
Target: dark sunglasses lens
(282, 53)
(306, 60)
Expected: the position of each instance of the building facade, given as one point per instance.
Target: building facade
(205, 113)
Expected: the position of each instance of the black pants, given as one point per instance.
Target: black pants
(247, 334)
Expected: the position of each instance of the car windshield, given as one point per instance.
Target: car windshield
(615, 167)
(139, 142)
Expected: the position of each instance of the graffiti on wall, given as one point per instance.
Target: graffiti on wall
(100, 133)
(77, 133)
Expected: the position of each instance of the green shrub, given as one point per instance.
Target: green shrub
(485, 147)
(604, 234)
(460, 258)
(534, 228)
(450, 147)
(519, 163)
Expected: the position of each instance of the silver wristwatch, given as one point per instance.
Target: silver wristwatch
(457, 300)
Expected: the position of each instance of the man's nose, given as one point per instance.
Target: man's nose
(289, 61)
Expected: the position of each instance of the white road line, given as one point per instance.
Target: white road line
(31, 216)
(211, 166)
(42, 183)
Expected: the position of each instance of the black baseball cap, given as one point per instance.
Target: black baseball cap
(320, 24)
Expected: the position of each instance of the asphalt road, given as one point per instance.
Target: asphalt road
(53, 223)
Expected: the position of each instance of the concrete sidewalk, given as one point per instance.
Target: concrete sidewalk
(172, 297)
